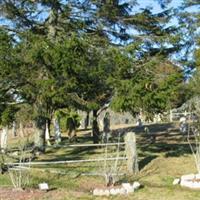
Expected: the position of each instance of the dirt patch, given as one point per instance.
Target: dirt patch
(88, 184)
(13, 194)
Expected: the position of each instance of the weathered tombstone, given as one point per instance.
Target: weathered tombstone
(21, 130)
(131, 153)
(57, 130)
(139, 122)
(39, 136)
(47, 134)
(106, 126)
(183, 124)
(4, 136)
(14, 129)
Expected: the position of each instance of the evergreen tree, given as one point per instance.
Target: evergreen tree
(63, 58)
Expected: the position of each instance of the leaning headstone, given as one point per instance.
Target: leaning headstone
(131, 153)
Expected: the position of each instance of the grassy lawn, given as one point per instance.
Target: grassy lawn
(160, 162)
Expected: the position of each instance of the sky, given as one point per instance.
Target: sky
(153, 4)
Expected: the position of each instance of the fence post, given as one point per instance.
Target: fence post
(131, 153)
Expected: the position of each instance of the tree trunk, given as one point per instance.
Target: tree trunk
(95, 127)
(40, 135)
(47, 132)
(57, 131)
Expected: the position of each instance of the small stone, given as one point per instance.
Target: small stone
(43, 186)
(136, 185)
(176, 181)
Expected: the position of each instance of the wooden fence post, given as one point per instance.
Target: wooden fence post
(131, 153)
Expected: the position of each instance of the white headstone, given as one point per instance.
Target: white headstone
(43, 186)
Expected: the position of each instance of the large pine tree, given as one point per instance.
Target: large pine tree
(62, 50)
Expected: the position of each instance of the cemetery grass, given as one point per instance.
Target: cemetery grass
(160, 161)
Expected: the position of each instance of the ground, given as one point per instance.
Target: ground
(160, 161)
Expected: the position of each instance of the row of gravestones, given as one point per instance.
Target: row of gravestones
(115, 118)
(125, 188)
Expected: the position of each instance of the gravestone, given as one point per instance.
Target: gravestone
(106, 127)
(131, 153)
(57, 130)
(4, 137)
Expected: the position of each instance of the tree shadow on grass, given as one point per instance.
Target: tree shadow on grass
(145, 161)
(169, 150)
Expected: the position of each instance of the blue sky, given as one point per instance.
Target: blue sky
(153, 4)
